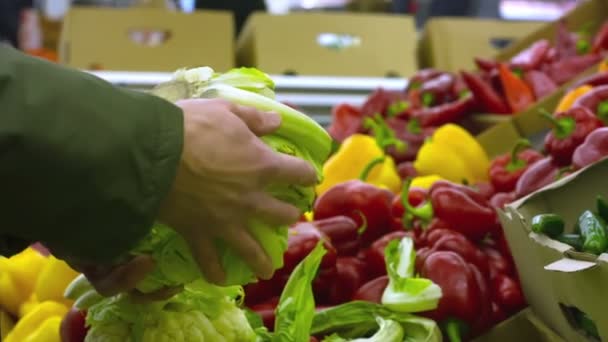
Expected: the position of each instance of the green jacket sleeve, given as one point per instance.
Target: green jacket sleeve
(84, 165)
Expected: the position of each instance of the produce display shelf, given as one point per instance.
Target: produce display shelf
(315, 95)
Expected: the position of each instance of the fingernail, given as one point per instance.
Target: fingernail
(274, 119)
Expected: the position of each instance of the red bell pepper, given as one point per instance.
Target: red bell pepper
(343, 233)
(346, 121)
(564, 70)
(506, 169)
(501, 199)
(356, 199)
(463, 209)
(351, 275)
(550, 57)
(422, 76)
(460, 89)
(372, 290)
(373, 257)
(379, 101)
(449, 240)
(592, 150)
(465, 293)
(438, 90)
(73, 326)
(532, 57)
(416, 196)
(444, 113)
(565, 41)
(540, 174)
(594, 80)
(485, 189)
(411, 134)
(485, 64)
(266, 311)
(303, 237)
(498, 314)
(508, 294)
(41, 249)
(485, 96)
(600, 41)
(540, 83)
(406, 170)
(518, 93)
(596, 101)
(261, 291)
(498, 263)
(570, 129)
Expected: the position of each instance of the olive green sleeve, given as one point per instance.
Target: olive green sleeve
(84, 165)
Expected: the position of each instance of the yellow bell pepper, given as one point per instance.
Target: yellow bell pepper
(6, 324)
(453, 154)
(49, 331)
(28, 305)
(568, 100)
(53, 280)
(355, 153)
(310, 216)
(11, 294)
(25, 268)
(603, 65)
(32, 326)
(425, 182)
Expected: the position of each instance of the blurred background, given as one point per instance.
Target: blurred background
(19, 18)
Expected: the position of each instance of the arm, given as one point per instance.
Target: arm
(83, 165)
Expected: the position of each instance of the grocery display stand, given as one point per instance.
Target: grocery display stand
(315, 95)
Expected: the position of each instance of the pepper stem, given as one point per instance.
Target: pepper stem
(363, 227)
(602, 111)
(517, 163)
(384, 135)
(370, 166)
(562, 127)
(423, 212)
(454, 329)
(413, 126)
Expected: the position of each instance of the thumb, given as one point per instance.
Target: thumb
(259, 122)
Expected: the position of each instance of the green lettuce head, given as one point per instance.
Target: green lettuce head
(298, 136)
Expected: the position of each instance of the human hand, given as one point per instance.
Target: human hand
(220, 183)
(109, 280)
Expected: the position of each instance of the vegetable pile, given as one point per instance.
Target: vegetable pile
(578, 138)
(433, 98)
(589, 234)
(31, 291)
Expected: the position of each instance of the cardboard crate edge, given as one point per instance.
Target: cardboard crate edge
(565, 285)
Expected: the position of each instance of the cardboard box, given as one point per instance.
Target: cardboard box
(146, 39)
(451, 43)
(338, 44)
(524, 326)
(555, 278)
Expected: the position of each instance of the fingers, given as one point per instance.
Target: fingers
(259, 122)
(249, 250)
(272, 210)
(121, 278)
(286, 169)
(205, 254)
